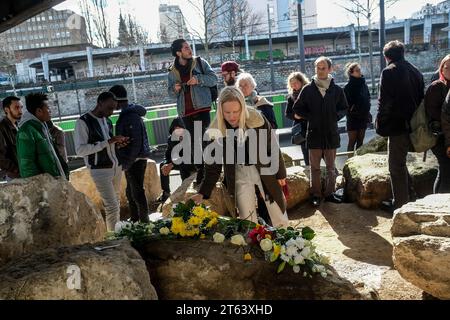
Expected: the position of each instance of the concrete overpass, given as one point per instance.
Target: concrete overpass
(14, 12)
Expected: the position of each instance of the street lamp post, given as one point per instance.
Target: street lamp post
(382, 34)
(272, 74)
(301, 39)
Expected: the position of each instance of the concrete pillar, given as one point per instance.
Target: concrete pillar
(247, 49)
(141, 55)
(45, 66)
(427, 27)
(407, 31)
(353, 36)
(90, 62)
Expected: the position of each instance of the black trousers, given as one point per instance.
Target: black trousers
(185, 171)
(137, 201)
(442, 183)
(189, 121)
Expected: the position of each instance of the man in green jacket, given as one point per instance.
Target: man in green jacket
(35, 151)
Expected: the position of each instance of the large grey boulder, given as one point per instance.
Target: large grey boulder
(43, 212)
(82, 181)
(368, 183)
(421, 232)
(192, 269)
(219, 201)
(298, 184)
(376, 145)
(78, 273)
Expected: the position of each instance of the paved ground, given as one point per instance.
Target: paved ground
(359, 244)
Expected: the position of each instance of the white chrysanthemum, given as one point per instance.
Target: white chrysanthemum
(296, 269)
(291, 251)
(298, 259)
(300, 242)
(323, 274)
(218, 237)
(284, 257)
(290, 243)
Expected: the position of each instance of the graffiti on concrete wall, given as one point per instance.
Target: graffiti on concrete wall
(124, 69)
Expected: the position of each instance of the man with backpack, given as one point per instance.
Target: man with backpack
(401, 92)
(194, 84)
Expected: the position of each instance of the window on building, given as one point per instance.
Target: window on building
(47, 44)
(43, 18)
(50, 17)
(38, 18)
(67, 34)
(20, 47)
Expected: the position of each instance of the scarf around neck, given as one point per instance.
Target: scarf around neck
(322, 85)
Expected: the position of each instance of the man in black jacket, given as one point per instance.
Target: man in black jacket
(322, 103)
(133, 157)
(401, 92)
(176, 130)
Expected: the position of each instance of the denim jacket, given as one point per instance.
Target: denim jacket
(201, 94)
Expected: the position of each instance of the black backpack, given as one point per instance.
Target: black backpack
(214, 90)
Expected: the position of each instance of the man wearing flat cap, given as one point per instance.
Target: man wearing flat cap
(230, 70)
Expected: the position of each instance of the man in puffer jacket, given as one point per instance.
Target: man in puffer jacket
(133, 157)
(35, 151)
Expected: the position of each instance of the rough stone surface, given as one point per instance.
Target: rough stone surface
(42, 212)
(298, 184)
(113, 274)
(376, 145)
(421, 232)
(287, 160)
(199, 270)
(218, 202)
(82, 181)
(367, 179)
(359, 245)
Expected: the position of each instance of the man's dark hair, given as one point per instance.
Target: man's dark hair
(119, 92)
(105, 96)
(176, 46)
(394, 50)
(6, 103)
(34, 101)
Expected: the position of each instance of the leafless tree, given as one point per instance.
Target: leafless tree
(239, 19)
(210, 13)
(8, 60)
(86, 13)
(365, 9)
(97, 23)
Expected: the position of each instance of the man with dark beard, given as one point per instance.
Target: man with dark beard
(8, 132)
(229, 69)
(190, 81)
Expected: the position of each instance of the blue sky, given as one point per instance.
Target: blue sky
(146, 11)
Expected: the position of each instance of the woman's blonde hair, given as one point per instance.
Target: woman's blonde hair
(350, 67)
(299, 76)
(229, 94)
